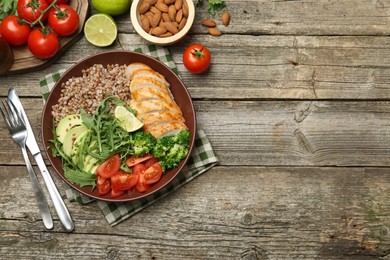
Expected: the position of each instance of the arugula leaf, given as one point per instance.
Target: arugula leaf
(215, 5)
(7, 7)
(80, 178)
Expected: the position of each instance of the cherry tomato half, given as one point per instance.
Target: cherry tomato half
(63, 19)
(124, 181)
(196, 58)
(109, 167)
(103, 185)
(139, 169)
(153, 173)
(116, 193)
(32, 9)
(133, 160)
(14, 32)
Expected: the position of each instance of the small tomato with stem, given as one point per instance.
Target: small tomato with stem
(43, 43)
(196, 58)
(14, 31)
(31, 10)
(63, 19)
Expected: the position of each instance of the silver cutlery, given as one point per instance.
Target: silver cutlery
(18, 132)
(59, 205)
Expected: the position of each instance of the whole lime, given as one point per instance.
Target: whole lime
(111, 7)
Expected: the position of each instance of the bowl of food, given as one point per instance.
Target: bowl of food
(162, 22)
(118, 126)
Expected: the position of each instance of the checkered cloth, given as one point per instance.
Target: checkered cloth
(202, 157)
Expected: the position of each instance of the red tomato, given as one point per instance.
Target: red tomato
(150, 162)
(109, 167)
(124, 181)
(63, 19)
(43, 45)
(153, 173)
(32, 9)
(58, 2)
(13, 32)
(139, 169)
(196, 58)
(103, 185)
(133, 160)
(116, 193)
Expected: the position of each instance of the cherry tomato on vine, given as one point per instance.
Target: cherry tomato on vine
(63, 19)
(58, 2)
(32, 9)
(196, 58)
(43, 44)
(13, 32)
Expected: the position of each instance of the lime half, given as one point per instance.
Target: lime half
(100, 30)
(127, 120)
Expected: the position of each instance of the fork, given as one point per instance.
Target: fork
(18, 132)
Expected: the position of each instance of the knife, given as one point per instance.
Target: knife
(59, 205)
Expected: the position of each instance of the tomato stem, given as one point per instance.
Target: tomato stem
(198, 53)
(39, 20)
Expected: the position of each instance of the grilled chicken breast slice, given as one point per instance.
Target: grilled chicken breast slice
(154, 104)
(159, 117)
(146, 92)
(150, 74)
(131, 68)
(141, 82)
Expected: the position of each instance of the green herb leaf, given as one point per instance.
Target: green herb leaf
(80, 178)
(215, 5)
(7, 7)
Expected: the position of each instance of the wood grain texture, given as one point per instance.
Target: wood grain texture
(296, 105)
(25, 61)
(284, 213)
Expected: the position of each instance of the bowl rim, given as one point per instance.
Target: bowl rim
(47, 112)
(134, 17)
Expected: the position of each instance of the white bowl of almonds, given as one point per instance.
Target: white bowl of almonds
(162, 22)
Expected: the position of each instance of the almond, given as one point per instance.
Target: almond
(172, 12)
(209, 23)
(178, 4)
(154, 10)
(215, 32)
(185, 10)
(162, 7)
(155, 19)
(157, 31)
(225, 18)
(179, 15)
(171, 27)
(145, 23)
(167, 34)
(165, 17)
(151, 2)
(182, 23)
(144, 8)
(168, 2)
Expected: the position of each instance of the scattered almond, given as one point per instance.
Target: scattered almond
(162, 7)
(225, 18)
(209, 23)
(178, 4)
(157, 31)
(215, 32)
(144, 8)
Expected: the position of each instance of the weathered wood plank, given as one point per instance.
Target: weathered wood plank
(263, 67)
(318, 133)
(284, 213)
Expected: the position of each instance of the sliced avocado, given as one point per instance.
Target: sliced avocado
(89, 163)
(66, 124)
(75, 147)
(71, 136)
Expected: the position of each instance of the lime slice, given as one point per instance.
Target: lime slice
(127, 120)
(100, 30)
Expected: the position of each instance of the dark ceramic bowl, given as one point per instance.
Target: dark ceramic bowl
(179, 91)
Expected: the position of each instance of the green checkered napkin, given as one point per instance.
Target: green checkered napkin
(202, 157)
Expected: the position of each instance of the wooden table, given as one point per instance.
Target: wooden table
(297, 107)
